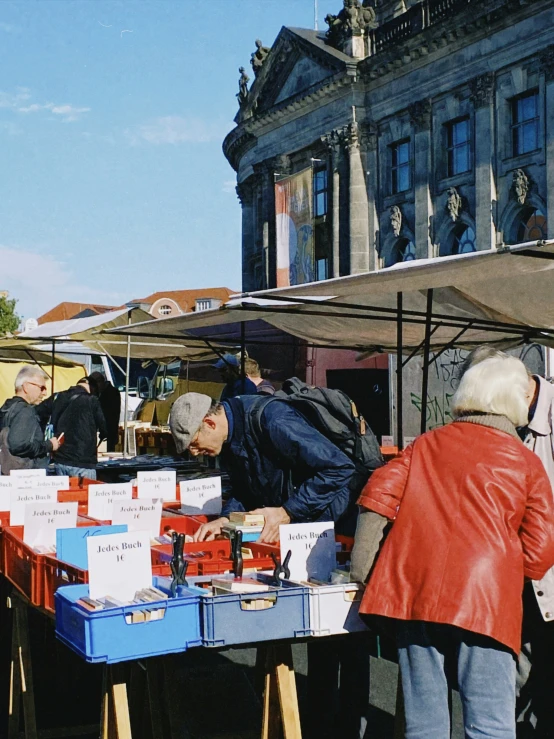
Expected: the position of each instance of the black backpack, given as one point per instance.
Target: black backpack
(335, 416)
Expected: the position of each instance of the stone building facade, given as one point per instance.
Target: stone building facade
(428, 126)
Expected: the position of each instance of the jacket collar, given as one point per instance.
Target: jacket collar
(540, 423)
(500, 423)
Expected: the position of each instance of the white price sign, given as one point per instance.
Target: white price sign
(159, 484)
(53, 482)
(139, 515)
(41, 521)
(20, 497)
(28, 473)
(387, 441)
(201, 496)
(313, 549)
(101, 497)
(6, 485)
(119, 564)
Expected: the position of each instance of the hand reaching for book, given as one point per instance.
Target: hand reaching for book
(208, 531)
(274, 517)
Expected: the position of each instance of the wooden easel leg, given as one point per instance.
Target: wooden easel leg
(21, 675)
(399, 716)
(115, 723)
(280, 706)
(15, 682)
(271, 721)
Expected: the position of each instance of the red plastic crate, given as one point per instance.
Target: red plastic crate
(23, 567)
(161, 563)
(56, 574)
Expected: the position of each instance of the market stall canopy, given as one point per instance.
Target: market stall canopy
(22, 350)
(502, 296)
(92, 331)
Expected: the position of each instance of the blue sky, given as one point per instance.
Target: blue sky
(112, 115)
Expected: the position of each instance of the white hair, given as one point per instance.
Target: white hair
(497, 385)
(28, 373)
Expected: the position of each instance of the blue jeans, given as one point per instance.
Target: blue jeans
(66, 469)
(432, 655)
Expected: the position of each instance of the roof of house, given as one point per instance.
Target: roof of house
(186, 299)
(65, 311)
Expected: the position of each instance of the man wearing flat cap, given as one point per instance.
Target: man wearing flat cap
(278, 463)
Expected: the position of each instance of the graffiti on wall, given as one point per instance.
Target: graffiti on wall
(438, 408)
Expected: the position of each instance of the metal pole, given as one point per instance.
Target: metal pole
(53, 362)
(126, 404)
(399, 373)
(242, 357)
(426, 352)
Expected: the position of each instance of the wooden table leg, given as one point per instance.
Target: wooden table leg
(116, 722)
(280, 707)
(21, 674)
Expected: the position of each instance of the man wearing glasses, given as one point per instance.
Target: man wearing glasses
(22, 444)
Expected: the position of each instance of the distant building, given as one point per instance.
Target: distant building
(175, 302)
(65, 311)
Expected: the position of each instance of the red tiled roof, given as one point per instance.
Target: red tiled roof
(186, 299)
(65, 311)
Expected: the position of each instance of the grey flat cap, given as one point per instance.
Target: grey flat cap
(186, 417)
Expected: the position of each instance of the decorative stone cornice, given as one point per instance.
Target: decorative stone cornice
(333, 141)
(369, 136)
(351, 136)
(236, 144)
(245, 193)
(546, 59)
(482, 90)
(280, 165)
(420, 114)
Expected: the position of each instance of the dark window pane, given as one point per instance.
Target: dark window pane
(322, 269)
(403, 153)
(403, 179)
(461, 159)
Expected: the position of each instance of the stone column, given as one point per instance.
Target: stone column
(482, 96)
(333, 142)
(420, 116)
(245, 192)
(547, 68)
(369, 147)
(357, 212)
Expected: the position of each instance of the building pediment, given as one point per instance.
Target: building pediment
(298, 63)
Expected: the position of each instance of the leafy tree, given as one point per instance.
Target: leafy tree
(9, 320)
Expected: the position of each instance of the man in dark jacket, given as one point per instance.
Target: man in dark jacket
(77, 414)
(110, 402)
(22, 444)
(277, 461)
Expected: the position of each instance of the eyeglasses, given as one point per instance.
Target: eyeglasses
(43, 388)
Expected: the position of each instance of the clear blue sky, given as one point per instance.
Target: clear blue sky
(112, 115)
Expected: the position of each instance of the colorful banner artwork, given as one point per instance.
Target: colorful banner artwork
(295, 234)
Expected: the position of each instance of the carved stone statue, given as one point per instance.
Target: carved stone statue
(520, 185)
(242, 94)
(259, 56)
(395, 219)
(453, 203)
(354, 18)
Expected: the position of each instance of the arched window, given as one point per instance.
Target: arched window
(164, 310)
(531, 225)
(462, 240)
(402, 251)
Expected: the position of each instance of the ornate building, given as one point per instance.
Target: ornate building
(427, 127)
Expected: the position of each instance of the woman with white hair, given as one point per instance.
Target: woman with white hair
(473, 516)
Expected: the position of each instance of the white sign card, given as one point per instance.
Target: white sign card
(139, 515)
(20, 497)
(42, 520)
(201, 496)
(387, 441)
(408, 440)
(54, 482)
(159, 484)
(6, 485)
(101, 497)
(119, 564)
(313, 549)
(28, 473)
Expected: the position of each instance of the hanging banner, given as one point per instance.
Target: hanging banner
(294, 226)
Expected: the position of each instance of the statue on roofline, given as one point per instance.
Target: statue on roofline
(242, 94)
(354, 18)
(259, 56)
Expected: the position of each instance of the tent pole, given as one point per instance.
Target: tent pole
(399, 373)
(242, 357)
(53, 362)
(126, 404)
(426, 352)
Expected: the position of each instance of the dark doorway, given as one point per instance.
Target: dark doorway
(369, 389)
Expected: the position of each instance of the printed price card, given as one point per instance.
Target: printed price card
(28, 473)
(139, 515)
(119, 564)
(101, 497)
(313, 549)
(159, 484)
(20, 497)
(387, 441)
(54, 482)
(6, 485)
(41, 521)
(201, 496)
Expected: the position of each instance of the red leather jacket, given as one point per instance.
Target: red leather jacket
(473, 514)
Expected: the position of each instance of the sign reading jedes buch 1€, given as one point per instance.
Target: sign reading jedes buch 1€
(201, 496)
(159, 484)
(119, 564)
(101, 498)
(20, 497)
(139, 515)
(42, 520)
(313, 549)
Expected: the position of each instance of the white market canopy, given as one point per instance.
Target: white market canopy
(92, 332)
(503, 296)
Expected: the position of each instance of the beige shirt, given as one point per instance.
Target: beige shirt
(540, 440)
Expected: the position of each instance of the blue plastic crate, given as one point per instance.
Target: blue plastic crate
(105, 636)
(225, 620)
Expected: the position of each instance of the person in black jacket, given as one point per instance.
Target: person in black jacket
(78, 415)
(110, 402)
(22, 444)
